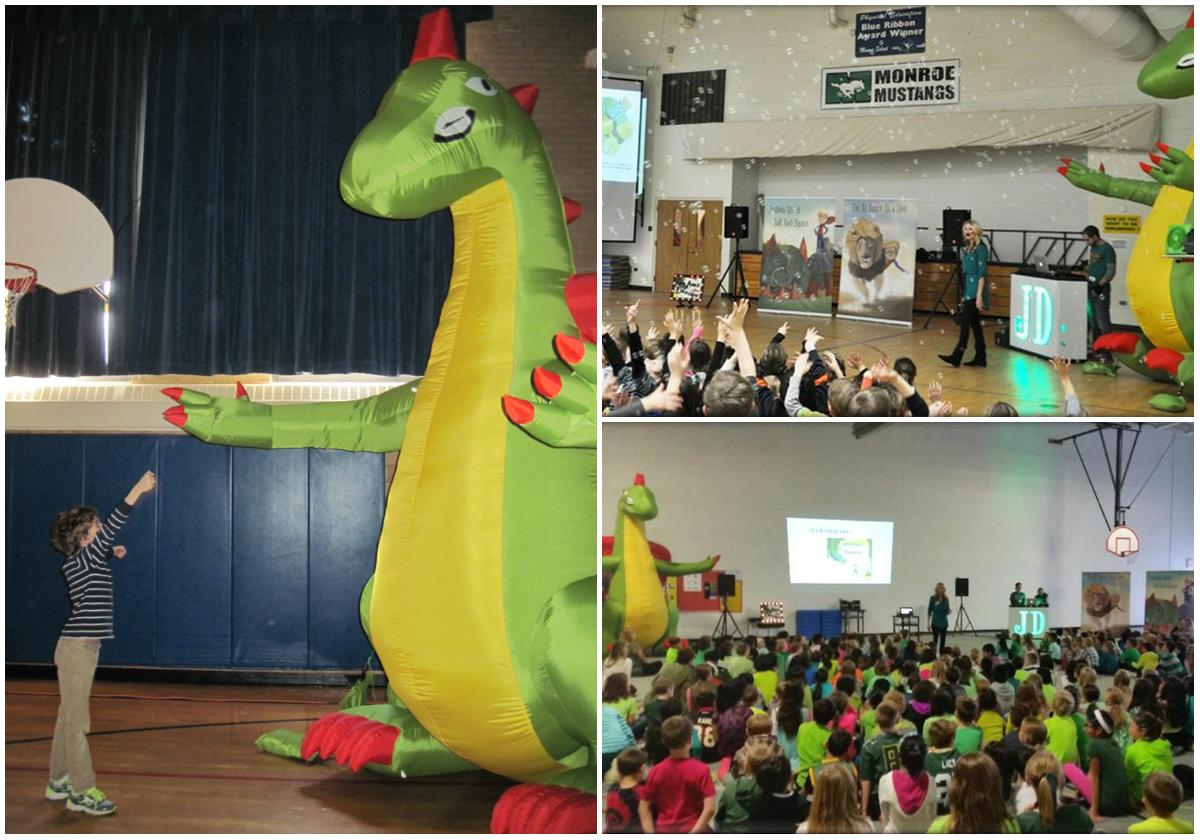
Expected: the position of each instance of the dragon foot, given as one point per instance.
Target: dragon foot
(350, 739)
(544, 809)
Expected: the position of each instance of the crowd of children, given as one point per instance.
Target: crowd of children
(883, 734)
(676, 373)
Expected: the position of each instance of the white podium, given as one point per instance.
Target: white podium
(1049, 317)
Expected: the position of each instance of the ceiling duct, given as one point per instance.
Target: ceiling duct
(1119, 28)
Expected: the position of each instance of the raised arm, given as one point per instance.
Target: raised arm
(669, 569)
(372, 424)
(99, 547)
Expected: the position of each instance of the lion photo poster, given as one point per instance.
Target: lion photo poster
(879, 255)
(797, 256)
(1170, 601)
(1105, 601)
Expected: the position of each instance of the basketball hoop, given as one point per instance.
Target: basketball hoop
(19, 280)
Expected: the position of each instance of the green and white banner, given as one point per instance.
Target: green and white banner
(891, 85)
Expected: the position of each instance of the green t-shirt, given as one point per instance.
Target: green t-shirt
(766, 682)
(968, 739)
(1130, 656)
(1060, 739)
(1161, 825)
(626, 707)
(867, 721)
(942, 826)
(1068, 819)
(810, 746)
(940, 767)
(1100, 257)
(1143, 758)
(738, 800)
(1114, 785)
(737, 665)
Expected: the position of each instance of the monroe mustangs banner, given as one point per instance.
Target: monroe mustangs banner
(891, 85)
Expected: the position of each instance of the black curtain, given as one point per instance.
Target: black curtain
(245, 257)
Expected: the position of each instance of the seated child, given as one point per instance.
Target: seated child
(1061, 736)
(704, 719)
(741, 791)
(678, 795)
(907, 796)
(1162, 795)
(1106, 767)
(990, 723)
(1032, 733)
(731, 723)
(879, 755)
(1114, 704)
(1043, 775)
(1147, 754)
(941, 760)
(781, 806)
(837, 751)
(621, 802)
(765, 675)
(812, 736)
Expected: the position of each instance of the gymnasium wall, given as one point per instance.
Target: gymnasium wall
(241, 558)
(992, 502)
(1012, 58)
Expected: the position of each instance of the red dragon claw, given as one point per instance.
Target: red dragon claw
(242, 394)
(546, 383)
(1155, 159)
(1164, 359)
(1163, 147)
(350, 739)
(1102, 169)
(581, 300)
(571, 350)
(374, 745)
(1062, 170)
(1145, 166)
(537, 809)
(573, 209)
(518, 410)
(173, 393)
(1116, 342)
(1067, 161)
(177, 415)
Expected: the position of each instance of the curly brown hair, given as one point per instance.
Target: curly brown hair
(69, 528)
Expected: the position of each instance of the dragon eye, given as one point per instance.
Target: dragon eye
(1187, 61)
(481, 85)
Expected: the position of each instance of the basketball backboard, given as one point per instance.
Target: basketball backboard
(58, 231)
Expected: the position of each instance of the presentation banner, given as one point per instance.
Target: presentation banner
(889, 32)
(890, 85)
(878, 260)
(1105, 601)
(1170, 601)
(797, 260)
(1032, 621)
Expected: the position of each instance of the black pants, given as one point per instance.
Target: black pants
(939, 640)
(971, 321)
(1101, 320)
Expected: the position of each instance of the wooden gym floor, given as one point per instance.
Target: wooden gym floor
(181, 758)
(1024, 380)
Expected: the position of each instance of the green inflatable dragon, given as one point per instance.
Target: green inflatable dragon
(1160, 287)
(635, 599)
(488, 540)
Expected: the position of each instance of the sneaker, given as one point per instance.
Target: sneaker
(91, 802)
(58, 788)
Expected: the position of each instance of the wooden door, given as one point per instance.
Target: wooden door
(688, 241)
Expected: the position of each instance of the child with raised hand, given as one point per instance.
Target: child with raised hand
(907, 796)
(678, 795)
(1043, 775)
(1162, 795)
(88, 545)
(1105, 768)
(976, 800)
(1148, 753)
(621, 801)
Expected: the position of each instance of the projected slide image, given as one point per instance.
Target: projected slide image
(839, 551)
(618, 121)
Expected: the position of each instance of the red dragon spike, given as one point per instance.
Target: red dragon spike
(572, 208)
(242, 394)
(639, 480)
(526, 96)
(435, 38)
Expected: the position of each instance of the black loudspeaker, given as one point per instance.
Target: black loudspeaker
(737, 222)
(952, 224)
(1001, 337)
(962, 588)
(726, 586)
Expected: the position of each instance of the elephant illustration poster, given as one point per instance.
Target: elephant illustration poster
(1170, 601)
(1105, 601)
(797, 256)
(879, 249)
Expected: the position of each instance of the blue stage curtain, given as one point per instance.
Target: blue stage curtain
(240, 256)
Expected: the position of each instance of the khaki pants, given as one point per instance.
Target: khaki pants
(76, 661)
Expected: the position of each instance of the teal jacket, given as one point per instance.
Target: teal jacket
(939, 613)
(974, 269)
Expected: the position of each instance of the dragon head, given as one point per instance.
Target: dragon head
(637, 501)
(439, 133)
(1168, 75)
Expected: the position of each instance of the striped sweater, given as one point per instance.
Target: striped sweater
(89, 581)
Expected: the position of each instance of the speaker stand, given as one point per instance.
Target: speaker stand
(962, 622)
(724, 621)
(738, 286)
(954, 278)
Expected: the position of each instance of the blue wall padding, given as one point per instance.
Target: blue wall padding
(240, 559)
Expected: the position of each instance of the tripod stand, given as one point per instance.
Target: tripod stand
(954, 278)
(963, 620)
(738, 288)
(726, 618)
